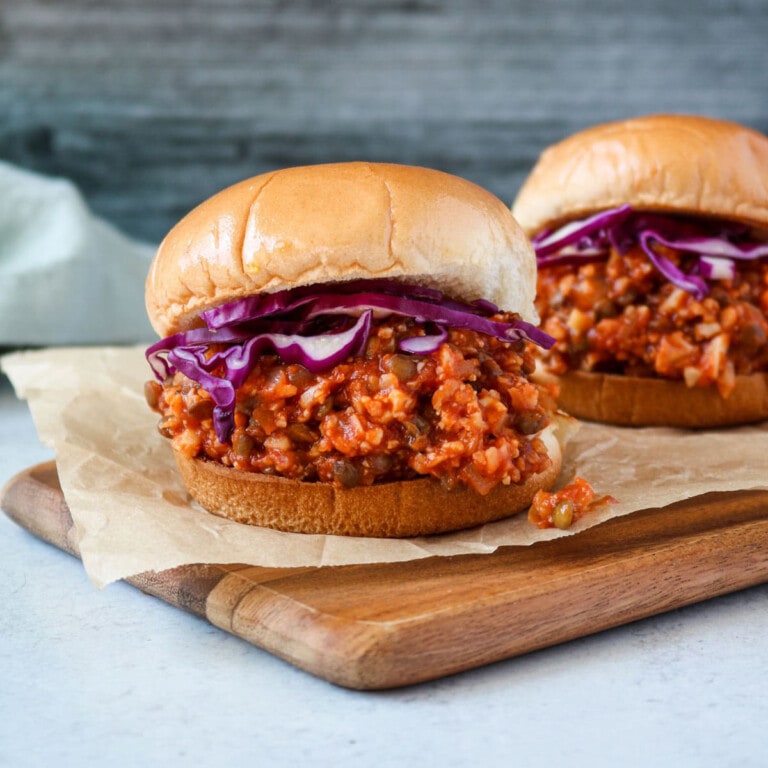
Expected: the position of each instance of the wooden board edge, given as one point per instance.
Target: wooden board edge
(500, 628)
(335, 649)
(39, 485)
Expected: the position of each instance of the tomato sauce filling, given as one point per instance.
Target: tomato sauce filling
(561, 509)
(622, 316)
(465, 414)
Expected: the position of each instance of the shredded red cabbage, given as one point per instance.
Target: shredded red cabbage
(691, 283)
(317, 327)
(445, 313)
(716, 244)
(289, 300)
(585, 231)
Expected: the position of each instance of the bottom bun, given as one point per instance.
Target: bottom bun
(644, 402)
(399, 509)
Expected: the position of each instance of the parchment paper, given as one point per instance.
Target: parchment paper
(132, 513)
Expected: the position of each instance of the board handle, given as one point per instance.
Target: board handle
(34, 501)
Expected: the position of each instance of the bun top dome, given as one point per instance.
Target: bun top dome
(670, 163)
(336, 222)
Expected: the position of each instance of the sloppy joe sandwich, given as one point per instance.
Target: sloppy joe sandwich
(651, 238)
(347, 348)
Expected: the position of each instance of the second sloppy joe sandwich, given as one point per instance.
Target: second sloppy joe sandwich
(651, 237)
(346, 349)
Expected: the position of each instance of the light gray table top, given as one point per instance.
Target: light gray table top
(115, 677)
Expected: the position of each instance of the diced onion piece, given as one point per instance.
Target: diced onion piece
(717, 268)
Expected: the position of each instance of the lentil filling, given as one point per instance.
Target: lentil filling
(465, 414)
(622, 316)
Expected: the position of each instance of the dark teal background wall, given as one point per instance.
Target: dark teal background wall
(152, 105)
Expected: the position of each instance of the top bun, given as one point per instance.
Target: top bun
(669, 163)
(337, 222)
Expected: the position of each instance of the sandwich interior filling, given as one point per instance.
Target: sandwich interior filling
(412, 397)
(644, 294)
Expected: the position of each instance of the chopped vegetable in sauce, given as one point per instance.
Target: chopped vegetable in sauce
(622, 316)
(561, 509)
(464, 413)
(645, 294)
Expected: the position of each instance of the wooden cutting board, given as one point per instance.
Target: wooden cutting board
(380, 626)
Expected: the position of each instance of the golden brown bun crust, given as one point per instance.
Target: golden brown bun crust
(672, 163)
(323, 223)
(409, 508)
(644, 402)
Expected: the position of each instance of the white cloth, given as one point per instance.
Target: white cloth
(66, 276)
